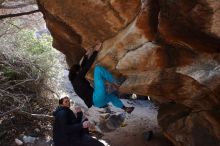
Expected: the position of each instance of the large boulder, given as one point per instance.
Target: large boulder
(167, 49)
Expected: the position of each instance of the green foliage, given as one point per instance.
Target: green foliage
(40, 52)
(26, 40)
(30, 69)
(29, 64)
(30, 72)
(8, 72)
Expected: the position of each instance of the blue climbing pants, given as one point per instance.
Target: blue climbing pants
(100, 95)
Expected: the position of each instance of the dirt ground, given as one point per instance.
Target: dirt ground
(141, 120)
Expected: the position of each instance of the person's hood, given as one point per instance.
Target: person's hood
(59, 108)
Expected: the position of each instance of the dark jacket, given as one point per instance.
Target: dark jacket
(67, 128)
(80, 85)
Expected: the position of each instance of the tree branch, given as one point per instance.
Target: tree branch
(37, 116)
(11, 111)
(18, 110)
(18, 14)
(23, 81)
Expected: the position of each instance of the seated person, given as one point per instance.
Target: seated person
(68, 129)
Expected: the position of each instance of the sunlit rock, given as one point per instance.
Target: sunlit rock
(168, 50)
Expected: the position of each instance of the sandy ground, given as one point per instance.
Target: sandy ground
(142, 119)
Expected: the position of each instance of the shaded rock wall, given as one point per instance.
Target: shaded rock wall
(167, 49)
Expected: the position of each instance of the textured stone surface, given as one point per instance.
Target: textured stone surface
(82, 23)
(167, 49)
(194, 24)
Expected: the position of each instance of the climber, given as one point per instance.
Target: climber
(77, 75)
(85, 91)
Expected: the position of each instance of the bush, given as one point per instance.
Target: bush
(29, 75)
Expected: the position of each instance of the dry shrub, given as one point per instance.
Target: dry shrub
(28, 84)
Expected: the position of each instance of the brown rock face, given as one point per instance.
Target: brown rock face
(169, 50)
(81, 23)
(192, 22)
